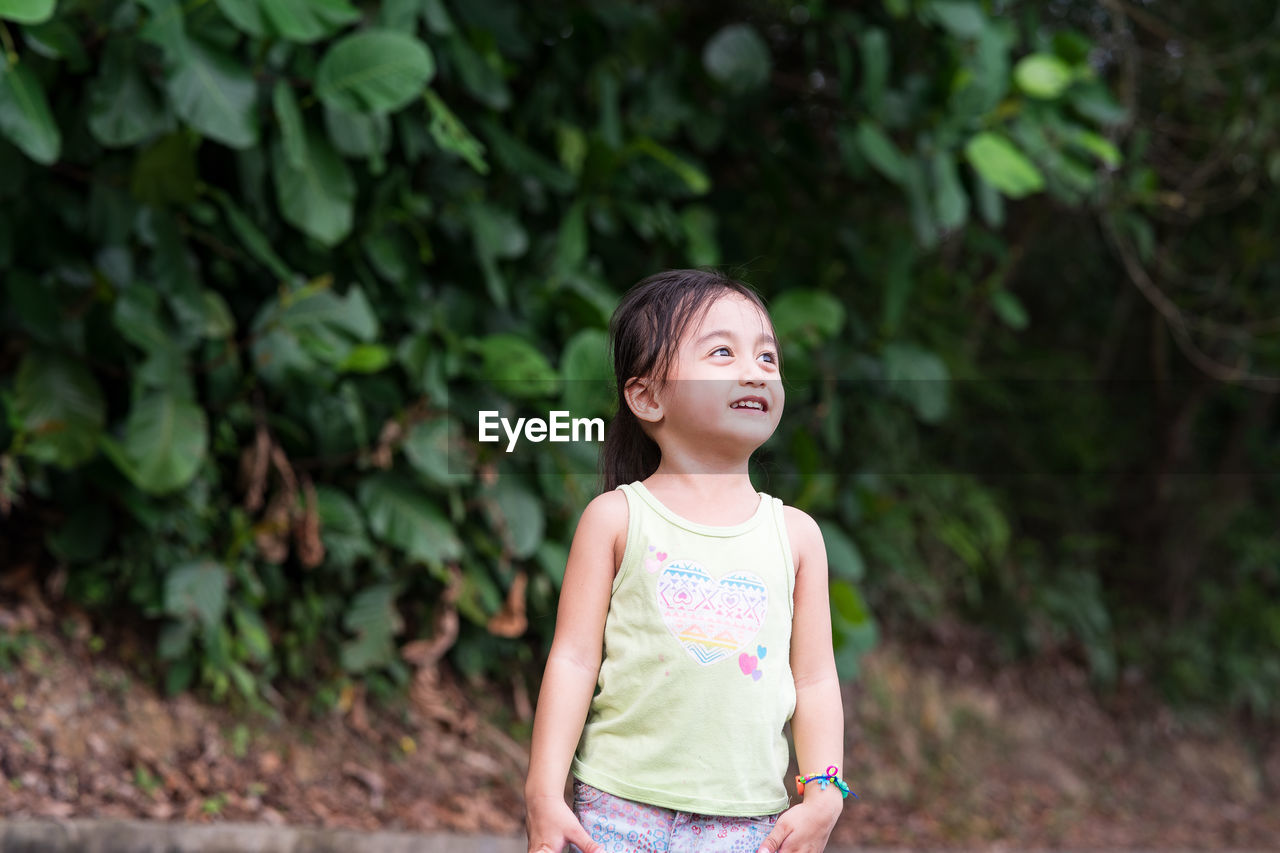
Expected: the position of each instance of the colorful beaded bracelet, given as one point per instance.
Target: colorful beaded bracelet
(832, 775)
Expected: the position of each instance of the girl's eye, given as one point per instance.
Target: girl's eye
(719, 350)
(771, 357)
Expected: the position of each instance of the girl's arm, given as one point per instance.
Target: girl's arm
(817, 727)
(570, 677)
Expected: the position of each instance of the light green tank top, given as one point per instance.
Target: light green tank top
(695, 684)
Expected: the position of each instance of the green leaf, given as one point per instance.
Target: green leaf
(1042, 75)
(196, 591)
(1094, 101)
(27, 11)
(293, 135)
(516, 514)
(853, 631)
(374, 620)
(366, 358)
(1001, 164)
(216, 94)
(521, 160)
(880, 151)
(318, 199)
(55, 39)
(515, 366)
(246, 15)
(341, 527)
(59, 409)
(699, 224)
(402, 515)
(737, 57)
(25, 118)
(1099, 146)
(919, 377)
(588, 379)
(806, 316)
(252, 238)
(571, 240)
(961, 18)
(359, 134)
(375, 71)
(950, 200)
(481, 74)
(843, 557)
(452, 135)
(165, 440)
(136, 316)
(307, 20)
(124, 109)
(252, 632)
(430, 451)
(1009, 309)
(693, 176)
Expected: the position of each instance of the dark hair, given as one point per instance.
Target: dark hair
(644, 334)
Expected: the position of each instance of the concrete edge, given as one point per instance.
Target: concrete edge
(88, 835)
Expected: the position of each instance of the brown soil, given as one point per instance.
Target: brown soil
(945, 749)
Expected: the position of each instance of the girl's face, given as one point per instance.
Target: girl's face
(725, 384)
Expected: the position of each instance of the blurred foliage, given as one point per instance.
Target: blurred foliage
(258, 257)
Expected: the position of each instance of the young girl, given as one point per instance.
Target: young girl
(693, 618)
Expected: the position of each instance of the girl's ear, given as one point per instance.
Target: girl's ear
(642, 400)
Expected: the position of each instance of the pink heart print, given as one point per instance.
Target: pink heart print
(711, 619)
(747, 663)
(662, 555)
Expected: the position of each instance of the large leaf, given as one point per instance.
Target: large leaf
(341, 527)
(919, 377)
(401, 514)
(880, 151)
(59, 408)
(429, 450)
(319, 197)
(124, 109)
(517, 514)
(1002, 165)
(374, 620)
(588, 379)
(1042, 75)
(293, 134)
(216, 94)
(165, 440)
(27, 11)
(737, 57)
(307, 20)
(843, 557)
(515, 366)
(806, 316)
(25, 119)
(375, 71)
(196, 591)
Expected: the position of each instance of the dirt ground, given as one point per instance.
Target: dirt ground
(945, 748)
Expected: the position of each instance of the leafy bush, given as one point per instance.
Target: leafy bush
(262, 260)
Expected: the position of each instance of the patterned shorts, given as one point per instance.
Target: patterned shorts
(623, 826)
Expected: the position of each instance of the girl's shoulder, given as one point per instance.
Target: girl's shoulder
(804, 533)
(604, 524)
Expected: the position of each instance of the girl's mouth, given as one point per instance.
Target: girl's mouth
(756, 404)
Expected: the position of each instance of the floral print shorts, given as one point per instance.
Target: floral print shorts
(623, 826)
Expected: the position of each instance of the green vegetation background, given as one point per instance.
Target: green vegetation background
(260, 258)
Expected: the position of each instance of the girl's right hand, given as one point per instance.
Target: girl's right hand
(552, 824)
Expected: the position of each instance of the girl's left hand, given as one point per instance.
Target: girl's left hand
(804, 828)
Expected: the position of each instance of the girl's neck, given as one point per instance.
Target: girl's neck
(707, 498)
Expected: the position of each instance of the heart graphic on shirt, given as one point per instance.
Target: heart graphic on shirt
(712, 619)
